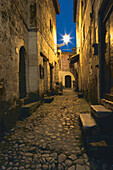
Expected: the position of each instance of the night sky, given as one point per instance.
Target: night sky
(65, 24)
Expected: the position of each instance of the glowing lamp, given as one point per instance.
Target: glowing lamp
(66, 38)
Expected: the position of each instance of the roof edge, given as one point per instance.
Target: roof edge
(74, 10)
(57, 6)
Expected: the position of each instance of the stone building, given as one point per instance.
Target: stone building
(66, 75)
(94, 34)
(28, 50)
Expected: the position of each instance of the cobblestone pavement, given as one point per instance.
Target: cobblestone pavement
(49, 139)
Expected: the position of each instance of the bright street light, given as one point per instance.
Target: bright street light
(66, 38)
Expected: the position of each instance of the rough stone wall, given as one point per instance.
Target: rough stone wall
(65, 61)
(13, 35)
(87, 35)
(31, 24)
(46, 39)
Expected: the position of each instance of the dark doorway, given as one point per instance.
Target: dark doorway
(51, 77)
(108, 40)
(22, 73)
(68, 81)
(45, 75)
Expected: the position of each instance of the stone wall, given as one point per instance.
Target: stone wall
(87, 35)
(13, 35)
(32, 25)
(47, 40)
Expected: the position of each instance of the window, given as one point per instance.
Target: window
(51, 27)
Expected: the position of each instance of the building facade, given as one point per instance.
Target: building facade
(28, 49)
(65, 75)
(94, 34)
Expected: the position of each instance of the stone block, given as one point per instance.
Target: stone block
(87, 120)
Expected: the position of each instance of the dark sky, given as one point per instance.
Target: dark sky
(65, 24)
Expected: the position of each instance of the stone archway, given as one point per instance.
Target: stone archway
(68, 81)
(22, 73)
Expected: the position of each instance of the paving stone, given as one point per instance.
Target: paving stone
(15, 168)
(72, 167)
(9, 168)
(3, 167)
(38, 166)
(45, 167)
(48, 139)
(49, 166)
(54, 155)
(21, 167)
(48, 159)
(60, 167)
(61, 158)
(21, 145)
(73, 157)
(79, 167)
(86, 160)
(52, 160)
(33, 167)
(32, 149)
(53, 166)
(85, 156)
(88, 168)
(68, 162)
(53, 137)
(43, 160)
(64, 165)
(28, 154)
(27, 166)
(79, 161)
(45, 155)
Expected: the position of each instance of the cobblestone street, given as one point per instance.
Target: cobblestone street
(49, 139)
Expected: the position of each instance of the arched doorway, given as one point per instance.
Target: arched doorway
(68, 81)
(22, 73)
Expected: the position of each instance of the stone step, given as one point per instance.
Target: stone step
(87, 121)
(107, 104)
(28, 109)
(30, 99)
(100, 111)
(109, 97)
(48, 99)
(23, 101)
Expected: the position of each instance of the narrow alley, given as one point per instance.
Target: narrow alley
(56, 85)
(49, 139)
